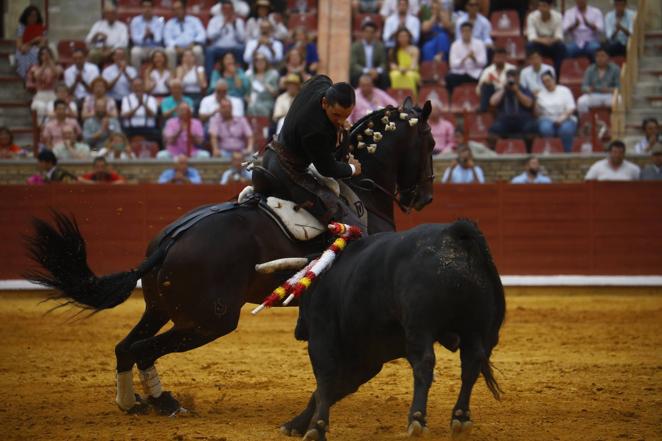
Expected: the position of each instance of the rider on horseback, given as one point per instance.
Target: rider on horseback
(314, 132)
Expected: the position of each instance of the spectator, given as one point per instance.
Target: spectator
(307, 48)
(30, 37)
(230, 134)
(69, 148)
(618, 27)
(264, 87)
(52, 132)
(62, 93)
(436, 34)
(192, 77)
(181, 173)
(600, 81)
(236, 172)
(614, 167)
(463, 170)
(211, 103)
(442, 130)
(117, 146)
(169, 104)
(481, 26)
(368, 56)
(139, 113)
(226, 33)
(531, 76)
(544, 30)
(583, 24)
(119, 76)
(99, 93)
(98, 127)
(555, 107)
(146, 33)
(79, 76)
(366, 6)
(531, 174)
(477, 148)
(157, 75)
(493, 77)
(101, 173)
(651, 137)
(8, 150)
(390, 7)
(238, 84)
(403, 60)
(369, 99)
(241, 7)
(284, 100)
(294, 64)
(183, 32)
(263, 13)
(42, 77)
(183, 135)
(514, 115)
(266, 44)
(653, 171)
(467, 59)
(49, 171)
(398, 20)
(107, 35)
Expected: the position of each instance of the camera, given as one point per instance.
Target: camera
(511, 82)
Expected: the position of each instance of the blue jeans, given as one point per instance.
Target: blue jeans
(566, 131)
(573, 51)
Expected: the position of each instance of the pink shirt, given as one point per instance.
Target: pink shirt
(443, 134)
(180, 145)
(52, 132)
(232, 134)
(458, 53)
(582, 33)
(364, 105)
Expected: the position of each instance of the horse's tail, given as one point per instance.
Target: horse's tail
(60, 252)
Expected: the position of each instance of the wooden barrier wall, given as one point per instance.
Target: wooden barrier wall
(587, 228)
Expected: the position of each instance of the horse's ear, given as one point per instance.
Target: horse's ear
(408, 104)
(427, 108)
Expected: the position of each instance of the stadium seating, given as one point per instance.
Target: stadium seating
(572, 70)
(476, 125)
(306, 21)
(465, 99)
(515, 48)
(65, 50)
(399, 95)
(545, 146)
(433, 92)
(433, 72)
(511, 146)
(260, 126)
(585, 146)
(505, 23)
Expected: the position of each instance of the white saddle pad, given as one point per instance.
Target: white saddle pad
(300, 223)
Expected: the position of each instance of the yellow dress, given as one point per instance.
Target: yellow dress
(410, 78)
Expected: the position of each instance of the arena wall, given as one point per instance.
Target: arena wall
(583, 228)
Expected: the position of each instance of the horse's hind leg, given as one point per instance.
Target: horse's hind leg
(149, 324)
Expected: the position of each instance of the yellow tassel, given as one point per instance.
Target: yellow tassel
(305, 281)
(340, 243)
(280, 291)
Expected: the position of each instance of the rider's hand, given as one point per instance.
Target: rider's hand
(356, 164)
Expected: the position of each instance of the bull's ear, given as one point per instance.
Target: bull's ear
(427, 108)
(408, 104)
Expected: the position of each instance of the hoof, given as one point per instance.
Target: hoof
(286, 430)
(417, 426)
(140, 408)
(166, 404)
(312, 435)
(460, 428)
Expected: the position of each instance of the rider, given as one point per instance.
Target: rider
(315, 132)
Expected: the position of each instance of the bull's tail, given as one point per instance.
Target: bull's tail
(61, 254)
(487, 370)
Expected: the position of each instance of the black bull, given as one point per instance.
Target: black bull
(394, 295)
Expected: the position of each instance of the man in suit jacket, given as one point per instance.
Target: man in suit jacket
(368, 56)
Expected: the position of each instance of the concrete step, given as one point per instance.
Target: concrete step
(650, 75)
(15, 116)
(650, 63)
(12, 88)
(5, 67)
(646, 88)
(654, 102)
(22, 135)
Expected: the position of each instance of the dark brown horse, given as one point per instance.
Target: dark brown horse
(200, 279)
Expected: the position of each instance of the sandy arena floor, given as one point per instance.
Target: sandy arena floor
(577, 367)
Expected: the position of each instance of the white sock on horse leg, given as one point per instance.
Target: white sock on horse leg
(126, 397)
(149, 378)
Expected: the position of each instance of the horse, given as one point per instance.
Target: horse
(201, 279)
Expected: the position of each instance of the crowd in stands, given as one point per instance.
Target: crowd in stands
(176, 84)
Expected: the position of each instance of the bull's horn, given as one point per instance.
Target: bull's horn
(289, 263)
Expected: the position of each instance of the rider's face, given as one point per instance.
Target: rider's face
(336, 113)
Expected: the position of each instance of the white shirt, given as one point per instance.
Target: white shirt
(160, 82)
(117, 34)
(138, 27)
(459, 51)
(463, 175)
(603, 171)
(122, 87)
(531, 79)
(282, 105)
(490, 75)
(390, 7)
(280, 31)
(392, 23)
(209, 105)
(226, 35)
(140, 118)
(90, 72)
(537, 28)
(554, 104)
(273, 55)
